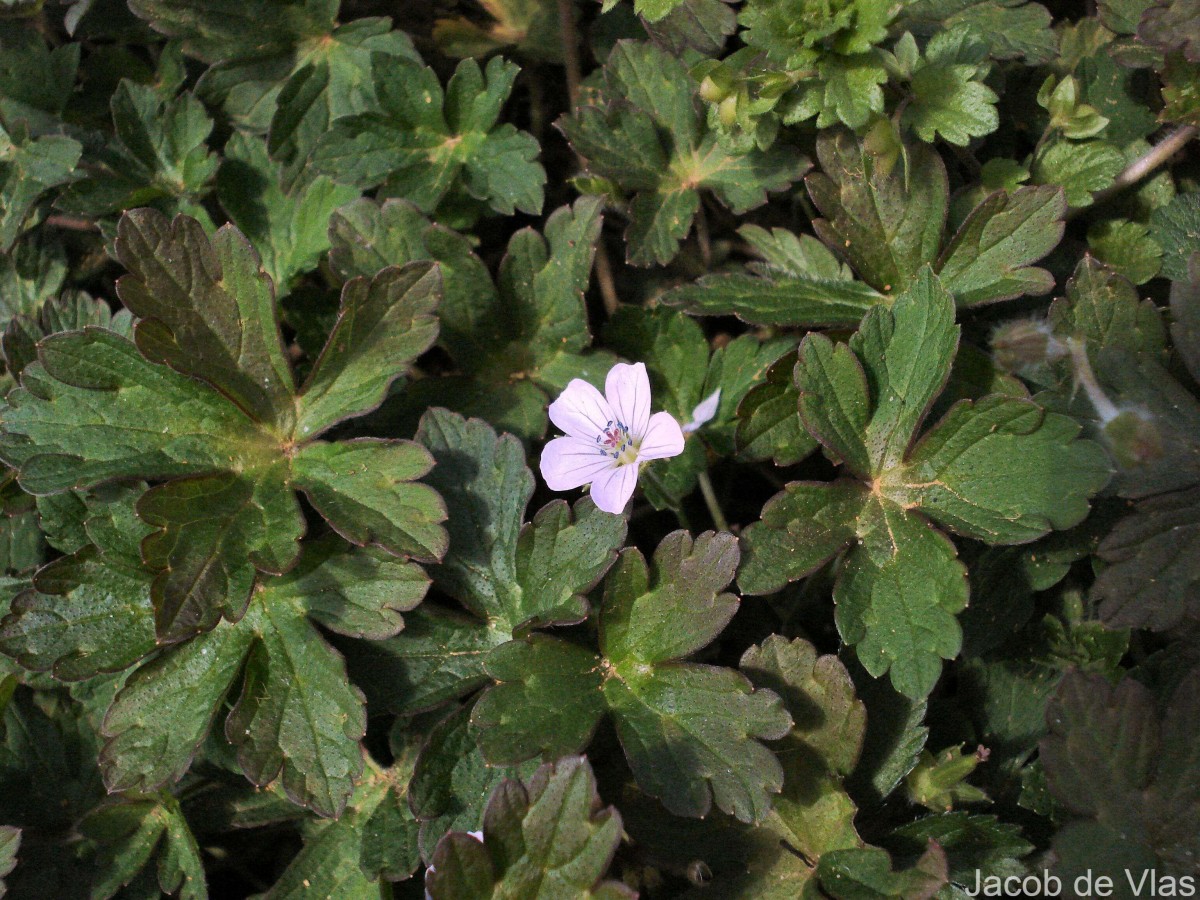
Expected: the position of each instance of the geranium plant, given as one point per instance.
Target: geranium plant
(555, 449)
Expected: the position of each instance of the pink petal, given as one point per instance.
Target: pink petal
(568, 462)
(663, 438)
(581, 411)
(612, 489)
(628, 390)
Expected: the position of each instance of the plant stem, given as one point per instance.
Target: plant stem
(710, 499)
(702, 236)
(1156, 156)
(71, 223)
(570, 47)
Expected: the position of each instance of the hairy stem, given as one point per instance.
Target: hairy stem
(1152, 159)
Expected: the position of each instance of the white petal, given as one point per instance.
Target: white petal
(612, 489)
(581, 410)
(568, 462)
(628, 391)
(704, 411)
(663, 438)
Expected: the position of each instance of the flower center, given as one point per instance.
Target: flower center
(617, 443)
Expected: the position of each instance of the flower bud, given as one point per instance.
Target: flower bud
(1134, 438)
(1026, 344)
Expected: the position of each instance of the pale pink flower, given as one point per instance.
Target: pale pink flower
(608, 436)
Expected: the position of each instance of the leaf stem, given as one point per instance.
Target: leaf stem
(710, 500)
(1156, 156)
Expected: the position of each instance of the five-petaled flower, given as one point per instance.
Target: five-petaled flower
(607, 436)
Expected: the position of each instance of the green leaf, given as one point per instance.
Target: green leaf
(159, 152)
(298, 718)
(89, 612)
(642, 131)
(288, 227)
(151, 420)
(1011, 28)
(1176, 228)
(769, 424)
(375, 837)
(783, 300)
(439, 656)
(31, 273)
(10, 843)
(366, 237)
(897, 596)
(427, 144)
(952, 102)
(665, 710)
(1127, 247)
(213, 534)
(549, 838)
(866, 874)
(513, 576)
(814, 813)
(332, 79)
(900, 586)
(70, 311)
(972, 843)
(989, 257)
(547, 701)
(208, 309)
(227, 29)
(36, 80)
(1172, 26)
(364, 489)
(515, 340)
(968, 474)
(834, 400)
(884, 221)
(906, 353)
(29, 168)
(551, 694)
(1079, 168)
(383, 324)
(130, 833)
(452, 781)
(167, 707)
(1124, 771)
(1103, 308)
(529, 27)
(1151, 574)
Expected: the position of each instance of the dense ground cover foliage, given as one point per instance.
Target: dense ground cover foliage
(885, 312)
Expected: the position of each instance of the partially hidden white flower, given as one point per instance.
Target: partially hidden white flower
(704, 412)
(607, 436)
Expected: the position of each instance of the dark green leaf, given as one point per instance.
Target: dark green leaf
(547, 839)
(207, 310)
(288, 227)
(884, 221)
(452, 781)
(867, 874)
(989, 257)
(1176, 228)
(28, 168)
